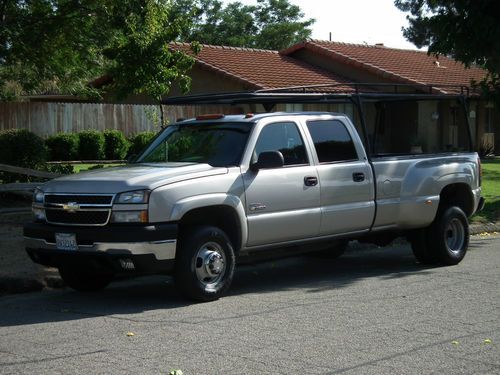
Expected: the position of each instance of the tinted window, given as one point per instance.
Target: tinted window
(218, 144)
(283, 137)
(332, 141)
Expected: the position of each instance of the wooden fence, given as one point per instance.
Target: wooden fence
(45, 118)
(28, 186)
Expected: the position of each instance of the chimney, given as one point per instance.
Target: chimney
(379, 45)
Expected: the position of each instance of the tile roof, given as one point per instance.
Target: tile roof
(399, 65)
(261, 69)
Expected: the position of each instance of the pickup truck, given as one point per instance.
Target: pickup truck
(210, 192)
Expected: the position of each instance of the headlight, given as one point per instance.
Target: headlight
(129, 197)
(38, 196)
(130, 216)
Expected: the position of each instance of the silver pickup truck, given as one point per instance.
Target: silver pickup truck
(212, 191)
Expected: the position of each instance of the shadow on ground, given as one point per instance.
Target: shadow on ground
(312, 275)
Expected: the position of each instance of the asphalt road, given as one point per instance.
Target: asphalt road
(370, 312)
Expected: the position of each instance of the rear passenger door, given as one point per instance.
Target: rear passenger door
(282, 204)
(345, 177)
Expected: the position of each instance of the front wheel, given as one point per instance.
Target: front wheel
(205, 263)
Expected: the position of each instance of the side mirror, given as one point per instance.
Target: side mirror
(268, 160)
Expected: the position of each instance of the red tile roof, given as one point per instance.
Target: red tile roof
(261, 69)
(397, 65)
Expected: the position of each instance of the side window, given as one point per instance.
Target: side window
(283, 137)
(332, 141)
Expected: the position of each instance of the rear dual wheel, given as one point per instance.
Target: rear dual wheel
(445, 241)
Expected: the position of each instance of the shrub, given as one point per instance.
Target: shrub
(60, 168)
(63, 146)
(116, 145)
(91, 145)
(139, 142)
(486, 149)
(22, 148)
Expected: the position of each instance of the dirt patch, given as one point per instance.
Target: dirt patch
(18, 273)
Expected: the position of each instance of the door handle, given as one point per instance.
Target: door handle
(310, 181)
(358, 176)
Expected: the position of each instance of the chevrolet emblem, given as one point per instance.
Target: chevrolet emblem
(71, 207)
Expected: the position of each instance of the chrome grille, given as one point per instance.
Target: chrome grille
(78, 209)
(79, 199)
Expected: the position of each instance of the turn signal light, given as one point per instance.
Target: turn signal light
(214, 116)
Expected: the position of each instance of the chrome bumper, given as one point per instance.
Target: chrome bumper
(162, 250)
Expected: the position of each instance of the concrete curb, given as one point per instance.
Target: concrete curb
(478, 228)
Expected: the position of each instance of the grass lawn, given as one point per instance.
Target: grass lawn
(490, 192)
(85, 167)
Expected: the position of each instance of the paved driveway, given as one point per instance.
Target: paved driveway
(371, 312)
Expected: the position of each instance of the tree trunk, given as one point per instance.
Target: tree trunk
(162, 117)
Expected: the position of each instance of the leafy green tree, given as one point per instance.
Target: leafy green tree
(270, 24)
(467, 30)
(62, 45)
(140, 60)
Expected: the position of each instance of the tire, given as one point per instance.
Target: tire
(445, 241)
(332, 252)
(204, 265)
(448, 236)
(84, 281)
(418, 241)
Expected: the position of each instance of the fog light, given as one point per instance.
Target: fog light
(130, 216)
(39, 214)
(127, 264)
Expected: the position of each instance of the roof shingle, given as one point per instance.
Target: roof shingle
(399, 65)
(262, 69)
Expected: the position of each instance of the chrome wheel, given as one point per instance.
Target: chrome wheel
(455, 235)
(210, 264)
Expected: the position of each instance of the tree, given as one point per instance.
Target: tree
(270, 24)
(467, 30)
(139, 58)
(62, 45)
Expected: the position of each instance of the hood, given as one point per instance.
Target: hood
(130, 177)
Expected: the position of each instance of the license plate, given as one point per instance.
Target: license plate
(66, 241)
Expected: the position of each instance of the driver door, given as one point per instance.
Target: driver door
(282, 204)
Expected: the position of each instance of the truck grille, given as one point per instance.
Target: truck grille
(75, 209)
(79, 199)
(84, 217)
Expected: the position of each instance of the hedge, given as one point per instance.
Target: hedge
(63, 146)
(91, 145)
(115, 145)
(22, 148)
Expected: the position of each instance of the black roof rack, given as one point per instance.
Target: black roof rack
(328, 93)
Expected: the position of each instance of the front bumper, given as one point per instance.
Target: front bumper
(142, 249)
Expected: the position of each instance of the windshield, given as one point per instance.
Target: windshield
(219, 144)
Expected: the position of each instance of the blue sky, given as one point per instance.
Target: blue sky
(355, 21)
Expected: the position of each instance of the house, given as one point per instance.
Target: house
(393, 127)
(430, 124)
